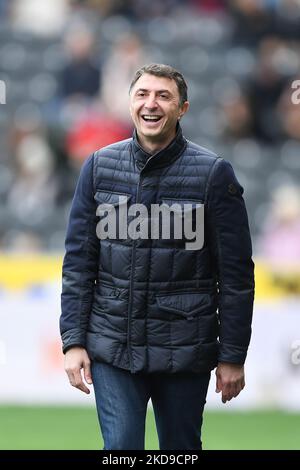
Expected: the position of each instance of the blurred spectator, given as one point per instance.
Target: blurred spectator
(209, 5)
(81, 75)
(265, 88)
(143, 10)
(279, 243)
(238, 117)
(102, 8)
(287, 18)
(32, 195)
(22, 241)
(289, 115)
(93, 131)
(252, 22)
(126, 56)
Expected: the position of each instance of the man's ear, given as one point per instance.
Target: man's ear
(184, 109)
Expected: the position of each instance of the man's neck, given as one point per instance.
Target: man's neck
(154, 147)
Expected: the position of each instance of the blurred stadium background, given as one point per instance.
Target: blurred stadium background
(65, 66)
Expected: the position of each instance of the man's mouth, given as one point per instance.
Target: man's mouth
(151, 118)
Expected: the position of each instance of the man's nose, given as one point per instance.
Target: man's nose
(151, 101)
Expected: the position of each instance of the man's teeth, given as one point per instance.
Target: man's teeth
(151, 118)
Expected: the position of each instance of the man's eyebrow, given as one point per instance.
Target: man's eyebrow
(157, 91)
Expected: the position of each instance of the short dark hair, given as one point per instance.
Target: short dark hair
(162, 70)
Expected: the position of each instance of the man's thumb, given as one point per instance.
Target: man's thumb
(218, 385)
(87, 373)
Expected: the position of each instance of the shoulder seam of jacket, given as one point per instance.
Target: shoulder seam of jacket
(209, 177)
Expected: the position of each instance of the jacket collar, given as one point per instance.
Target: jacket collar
(164, 157)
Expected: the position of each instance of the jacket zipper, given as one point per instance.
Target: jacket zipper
(131, 288)
(132, 274)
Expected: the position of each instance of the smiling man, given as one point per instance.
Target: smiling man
(145, 317)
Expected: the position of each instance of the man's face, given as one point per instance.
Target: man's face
(155, 108)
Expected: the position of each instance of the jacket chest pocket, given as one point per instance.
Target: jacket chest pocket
(183, 220)
(112, 210)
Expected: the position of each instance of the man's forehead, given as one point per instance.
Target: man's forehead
(152, 82)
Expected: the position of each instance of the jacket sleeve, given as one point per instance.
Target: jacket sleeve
(80, 263)
(232, 256)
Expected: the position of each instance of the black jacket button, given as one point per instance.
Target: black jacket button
(232, 189)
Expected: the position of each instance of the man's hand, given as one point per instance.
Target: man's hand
(230, 380)
(77, 358)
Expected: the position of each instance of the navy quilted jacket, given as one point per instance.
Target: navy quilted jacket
(151, 305)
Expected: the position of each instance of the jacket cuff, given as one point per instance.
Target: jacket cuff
(232, 354)
(74, 337)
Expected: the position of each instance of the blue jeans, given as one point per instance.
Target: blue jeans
(121, 398)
